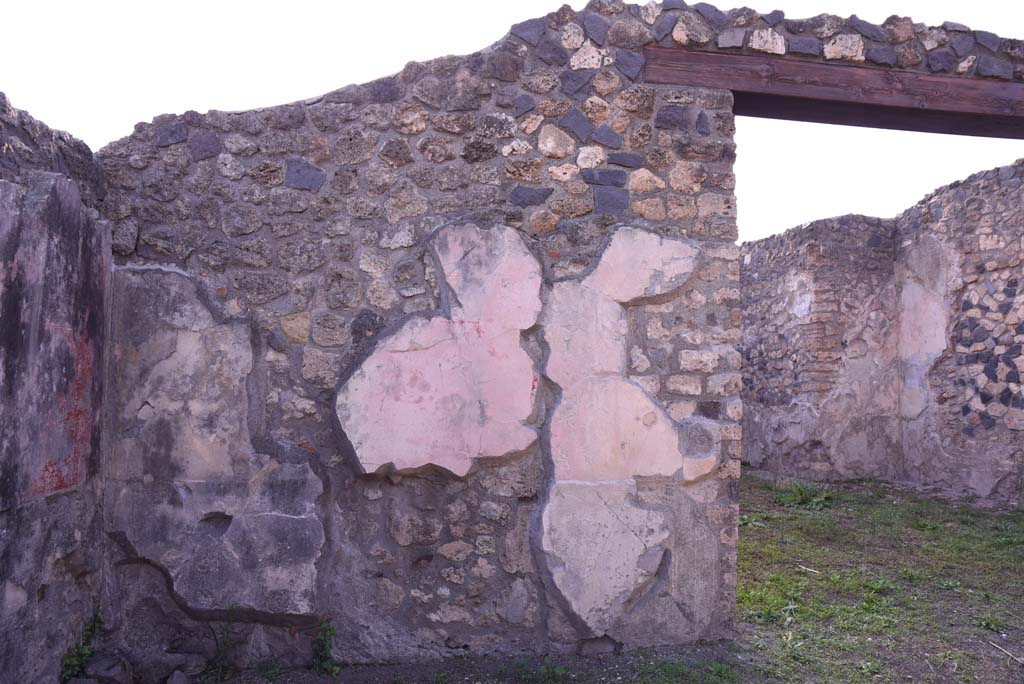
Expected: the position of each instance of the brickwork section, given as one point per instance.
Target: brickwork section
(802, 292)
(817, 303)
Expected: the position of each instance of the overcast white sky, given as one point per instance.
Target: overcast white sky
(96, 68)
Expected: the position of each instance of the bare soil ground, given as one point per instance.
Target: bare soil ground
(840, 585)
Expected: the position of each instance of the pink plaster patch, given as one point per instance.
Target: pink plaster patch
(607, 428)
(639, 264)
(602, 545)
(446, 391)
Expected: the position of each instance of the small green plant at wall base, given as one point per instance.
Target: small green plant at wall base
(219, 665)
(216, 671)
(270, 671)
(78, 654)
(521, 669)
(323, 661)
(551, 673)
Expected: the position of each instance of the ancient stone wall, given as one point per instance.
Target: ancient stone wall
(820, 332)
(448, 359)
(960, 265)
(54, 272)
(892, 349)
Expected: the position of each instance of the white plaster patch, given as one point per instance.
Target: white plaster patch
(13, 599)
(607, 427)
(586, 335)
(923, 324)
(601, 547)
(801, 294)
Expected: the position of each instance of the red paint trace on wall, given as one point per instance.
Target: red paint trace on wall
(72, 410)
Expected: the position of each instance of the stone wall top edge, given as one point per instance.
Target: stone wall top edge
(9, 111)
(973, 53)
(28, 144)
(804, 231)
(1014, 170)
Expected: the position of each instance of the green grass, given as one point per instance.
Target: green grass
(867, 583)
(803, 495)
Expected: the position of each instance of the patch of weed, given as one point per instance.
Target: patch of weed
(991, 623)
(323, 661)
(78, 654)
(869, 667)
(219, 667)
(773, 600)
(924, 525)
(797, 494)
(754, 520)
(912, 575)
(551, 672)
(880, 585)
(821, 527)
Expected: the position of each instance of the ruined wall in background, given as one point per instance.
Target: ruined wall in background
(54, 266)
(962, 330)
(820, 336)
(913, 330)
(448, 359)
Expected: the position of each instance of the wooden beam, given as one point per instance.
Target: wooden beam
(800, 90)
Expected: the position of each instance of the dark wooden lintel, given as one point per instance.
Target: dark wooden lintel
(848, 94)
